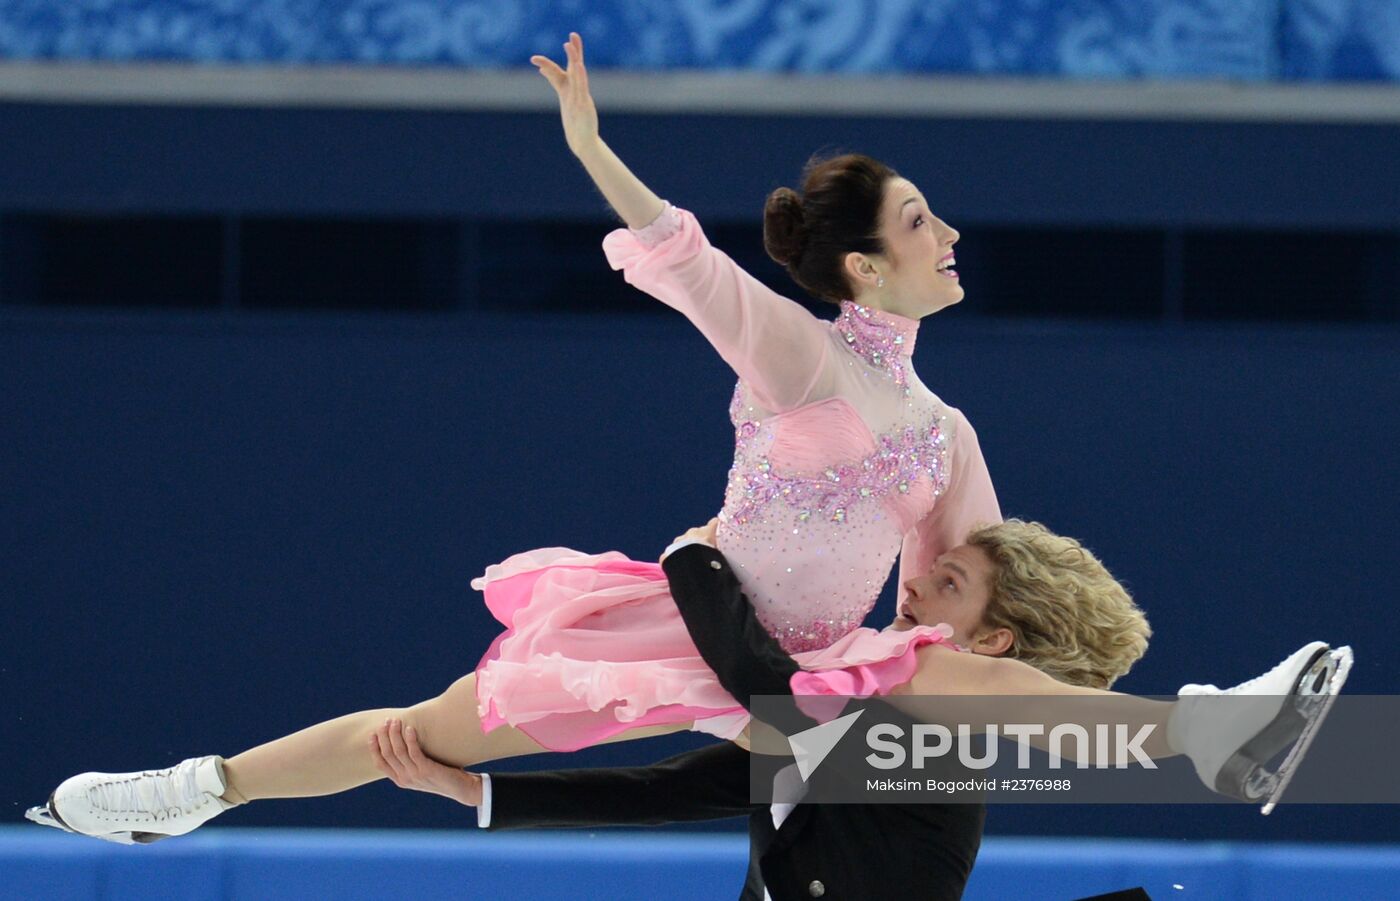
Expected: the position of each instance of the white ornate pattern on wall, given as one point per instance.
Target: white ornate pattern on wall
(1243, 39)
(1341, 39)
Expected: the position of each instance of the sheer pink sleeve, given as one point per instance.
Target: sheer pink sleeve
(969, 502)
(773, 343)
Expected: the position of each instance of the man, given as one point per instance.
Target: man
(803, 851)
(875, 851)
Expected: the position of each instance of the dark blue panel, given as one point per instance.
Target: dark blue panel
(219, 531)
(515, 165)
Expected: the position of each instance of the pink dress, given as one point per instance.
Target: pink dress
(843, 460)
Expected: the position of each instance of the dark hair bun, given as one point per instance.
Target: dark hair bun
(784, 227)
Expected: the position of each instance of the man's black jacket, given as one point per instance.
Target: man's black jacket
(835, 851)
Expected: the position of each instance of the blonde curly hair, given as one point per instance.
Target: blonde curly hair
(1068, 616)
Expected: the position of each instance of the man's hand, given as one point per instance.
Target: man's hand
(702, 534)
(398, 756)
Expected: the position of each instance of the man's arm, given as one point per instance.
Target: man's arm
(747, 660)
(711, 783)
(708, 784)
(723, 625)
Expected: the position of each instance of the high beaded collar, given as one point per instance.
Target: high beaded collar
(884, 340)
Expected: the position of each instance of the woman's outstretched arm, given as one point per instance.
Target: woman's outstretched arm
(774, 344)
(632, 200)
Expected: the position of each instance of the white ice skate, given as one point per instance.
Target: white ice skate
(1231, 734)
(137, 808)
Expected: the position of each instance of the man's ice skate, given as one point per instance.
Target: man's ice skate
(1231, 734)
(137, 808)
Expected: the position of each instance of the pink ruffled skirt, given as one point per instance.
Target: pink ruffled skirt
(594, 646)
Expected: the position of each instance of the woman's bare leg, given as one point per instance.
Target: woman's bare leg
(332, 756)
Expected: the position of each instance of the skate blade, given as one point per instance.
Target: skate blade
(44, 816)
(1342, 659)
(1244, 775)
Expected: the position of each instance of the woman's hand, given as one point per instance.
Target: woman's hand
(634, 202)
(398, 756)
(575, 103)
(702, 534)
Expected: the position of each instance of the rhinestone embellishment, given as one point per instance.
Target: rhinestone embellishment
(876, 341)
(891, 469)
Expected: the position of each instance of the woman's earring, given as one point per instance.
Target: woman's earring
(881, 282)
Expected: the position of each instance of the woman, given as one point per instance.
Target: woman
(842, 458)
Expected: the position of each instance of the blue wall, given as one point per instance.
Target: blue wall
(218, 530)
(215, 529)
(267, 865)
(1237, 39)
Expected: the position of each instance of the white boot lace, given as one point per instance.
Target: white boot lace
(163, 794)
(1243, 688)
